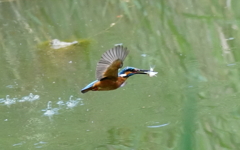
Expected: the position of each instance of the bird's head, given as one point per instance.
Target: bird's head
(129, 71)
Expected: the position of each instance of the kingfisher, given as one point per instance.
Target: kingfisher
(108, 77)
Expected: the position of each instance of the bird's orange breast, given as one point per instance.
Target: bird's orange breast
(107, 84)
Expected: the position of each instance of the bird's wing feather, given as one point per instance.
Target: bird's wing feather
(110, 62)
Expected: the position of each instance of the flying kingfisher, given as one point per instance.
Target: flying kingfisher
(108, 77)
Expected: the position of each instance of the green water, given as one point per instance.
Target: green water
(193, 103)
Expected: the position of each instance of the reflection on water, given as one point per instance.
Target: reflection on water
(158, 126)
(18, 144)
(144, 55)
(37, 145)
(40, 144)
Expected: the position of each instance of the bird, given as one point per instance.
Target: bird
(108, 77)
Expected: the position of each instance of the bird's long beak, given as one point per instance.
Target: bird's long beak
(141, 71)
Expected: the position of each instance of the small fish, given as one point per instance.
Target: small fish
(151, 73)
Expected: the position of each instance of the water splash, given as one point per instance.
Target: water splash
(12, 85)
(8, 101)
(60, 103)
(29, 98)
(73, 103)
(49, 111)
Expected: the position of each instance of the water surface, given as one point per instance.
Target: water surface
(191, 104)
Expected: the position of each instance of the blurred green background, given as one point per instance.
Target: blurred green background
(193, 103)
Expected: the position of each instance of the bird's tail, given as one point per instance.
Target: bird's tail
(89, 87)
(86, 90)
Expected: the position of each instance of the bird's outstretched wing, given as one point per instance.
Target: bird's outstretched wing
(110, 62)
